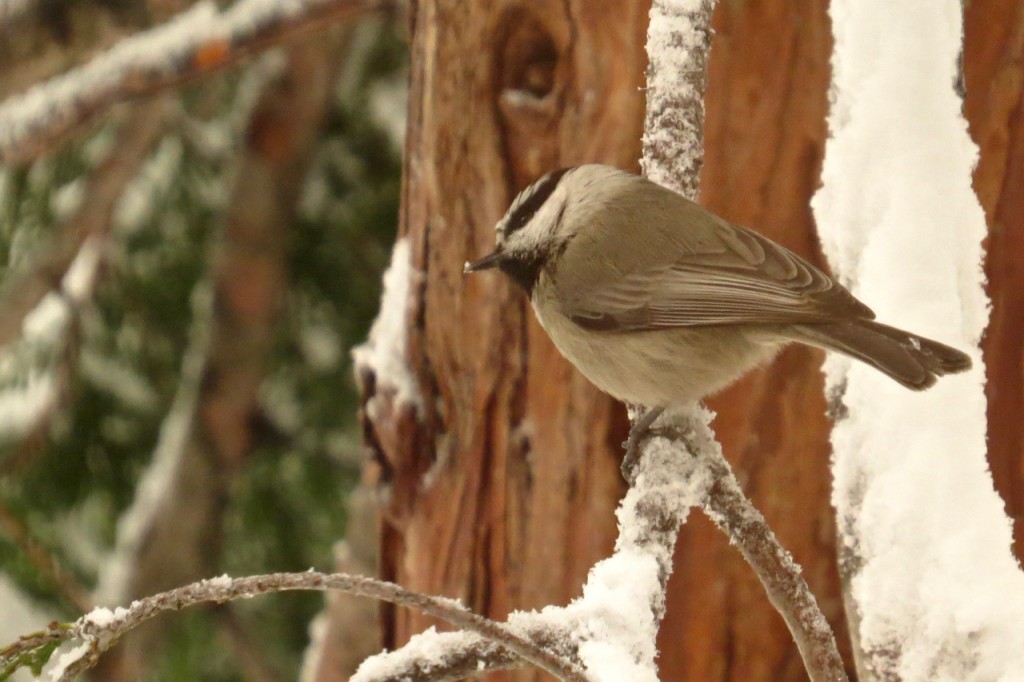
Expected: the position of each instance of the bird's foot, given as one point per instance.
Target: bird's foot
(632, 444)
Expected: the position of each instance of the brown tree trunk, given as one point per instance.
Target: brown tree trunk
(994, 71)
(501, 491)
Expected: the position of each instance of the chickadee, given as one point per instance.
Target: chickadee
(658, 301)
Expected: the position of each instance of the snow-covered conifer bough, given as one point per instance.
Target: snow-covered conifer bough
(660, 303)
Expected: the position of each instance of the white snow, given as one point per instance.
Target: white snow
(220, 582)
(154, 180)
(22, 405)
(617, 617)
(313, 656)
(67, 198)
(939, 588)
(321, 346)
(103, 617)
(81, 274)
(389, 102)
(427, 649)
(614, 619)
(385, 353)
(675, 49)
(65, 659)
(45, 324)
(28, 398)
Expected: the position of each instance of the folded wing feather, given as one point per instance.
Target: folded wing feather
(733, 276)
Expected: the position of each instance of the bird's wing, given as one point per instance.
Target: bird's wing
(727, 275)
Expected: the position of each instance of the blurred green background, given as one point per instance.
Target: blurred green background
(88, 385)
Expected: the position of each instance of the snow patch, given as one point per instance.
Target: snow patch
(676, 50)
(385, 353)
(938, 585)
(67, 658)
(425, 651)
(21, 406)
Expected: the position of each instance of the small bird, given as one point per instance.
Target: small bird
(658, 301)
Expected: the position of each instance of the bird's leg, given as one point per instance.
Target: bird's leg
(636, 432)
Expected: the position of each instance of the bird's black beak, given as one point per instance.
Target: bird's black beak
(489, 261)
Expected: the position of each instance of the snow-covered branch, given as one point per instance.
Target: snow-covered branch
(611, 629)
(434, 656)
(97, 631)
(197, 41)
(678, 44)
(932, 588)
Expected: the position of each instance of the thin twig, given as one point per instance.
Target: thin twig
(196, 42)
(736, 516)
(99, 629)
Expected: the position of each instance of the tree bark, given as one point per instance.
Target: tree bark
(994, 106)
(501, 491)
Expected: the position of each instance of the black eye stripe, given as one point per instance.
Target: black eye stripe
(538, 194)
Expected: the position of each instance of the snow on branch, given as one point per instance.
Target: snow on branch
(200, 39)
(98, 630)
(678, 43)
(927, 566)
(610, 630)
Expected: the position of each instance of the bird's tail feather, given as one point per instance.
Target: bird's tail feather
(912, 360)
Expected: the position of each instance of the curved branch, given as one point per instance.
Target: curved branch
(678, 44)
(736, 516)
(101, 628)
